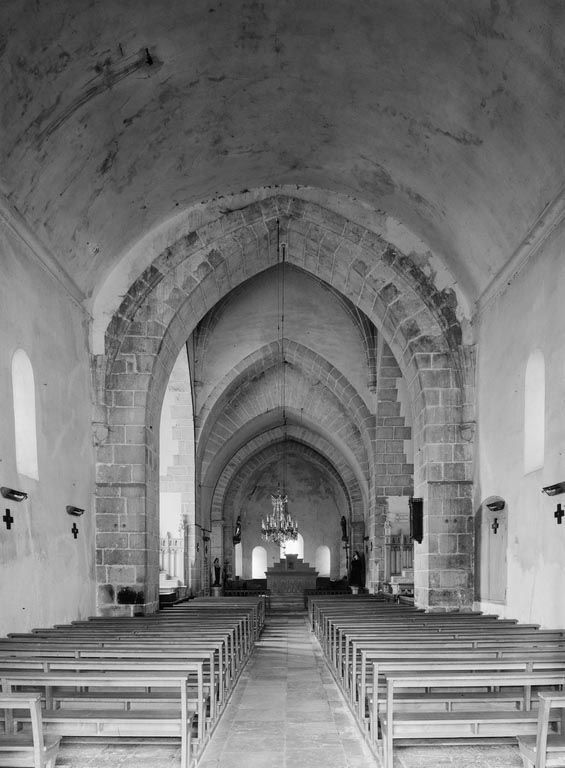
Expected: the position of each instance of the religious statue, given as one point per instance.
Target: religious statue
(357, 571)
(237, 532)
(343, 523)
(217, 572)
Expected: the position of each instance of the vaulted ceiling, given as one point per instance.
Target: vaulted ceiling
(439, 117)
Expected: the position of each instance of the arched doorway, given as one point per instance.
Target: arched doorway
(491, 542)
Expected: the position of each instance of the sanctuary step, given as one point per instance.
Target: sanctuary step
(290, 602)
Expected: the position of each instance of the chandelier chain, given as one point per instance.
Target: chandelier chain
(279, 526)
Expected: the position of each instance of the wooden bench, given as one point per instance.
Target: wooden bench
(545, 750)
(176, 721)
(206, 641)
(49, 652)
(493, 658)
(19, 749)
(402, 727)
(34, 671)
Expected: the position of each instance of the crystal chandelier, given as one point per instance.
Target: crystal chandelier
(279, 526)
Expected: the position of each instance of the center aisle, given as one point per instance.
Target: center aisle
(286, 710)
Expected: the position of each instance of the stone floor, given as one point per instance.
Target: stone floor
(286, 712)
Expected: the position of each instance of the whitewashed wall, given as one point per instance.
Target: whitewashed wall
(46, 576)
(529, 315)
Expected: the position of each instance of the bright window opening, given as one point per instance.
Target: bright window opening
(293, 548)
(323, 560)
(258, 563)
(23, 388)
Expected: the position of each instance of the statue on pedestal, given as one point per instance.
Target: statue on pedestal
(357, 571)
(217, 572)
(237, 532)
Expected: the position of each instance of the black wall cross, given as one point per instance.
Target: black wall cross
(495, 525)
(74, 530)
(8, 519)
(558, 514)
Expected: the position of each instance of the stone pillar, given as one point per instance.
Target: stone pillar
(344, 558)
(443, 574)
(377, 534)
(126, 522)
(357, 535)
(217, 542)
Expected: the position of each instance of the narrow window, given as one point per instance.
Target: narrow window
(23, 389)
(323, 560)
(293, 548)
(238, 557)
(258, 562)
(534, 412)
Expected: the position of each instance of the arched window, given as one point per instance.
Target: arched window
(293, 548)
(534, 412)
(323, 560)
(238, 557)
(258, 562)
(23, 392)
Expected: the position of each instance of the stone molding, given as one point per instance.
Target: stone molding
(18, 226)
(547, 222)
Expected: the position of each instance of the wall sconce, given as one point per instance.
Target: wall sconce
(553, 490)
(496, 505)
(76, 511)
(10, 493)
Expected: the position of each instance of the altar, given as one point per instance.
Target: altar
(291, 576)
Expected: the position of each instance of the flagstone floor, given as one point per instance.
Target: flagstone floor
(286, 712)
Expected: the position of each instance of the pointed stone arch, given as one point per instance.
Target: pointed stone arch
(221, 409)
(418, 321)
(335, 462)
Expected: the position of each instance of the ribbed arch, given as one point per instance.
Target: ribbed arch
(359, 321)
(418, 322)
(355, 492)
(237, 399)
(259, 460)
(201, 268)
(266, 454)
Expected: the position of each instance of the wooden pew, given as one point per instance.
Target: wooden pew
(475, 723)
(452, 665)
(358, 637)
(33, 670)
(341, 632)
(48, 653)
(108, 721)
(22, 749)
(545, 750)
(215, 635)
(448, 634)
(372, 659)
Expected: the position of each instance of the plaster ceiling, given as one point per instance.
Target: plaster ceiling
(117, 115)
